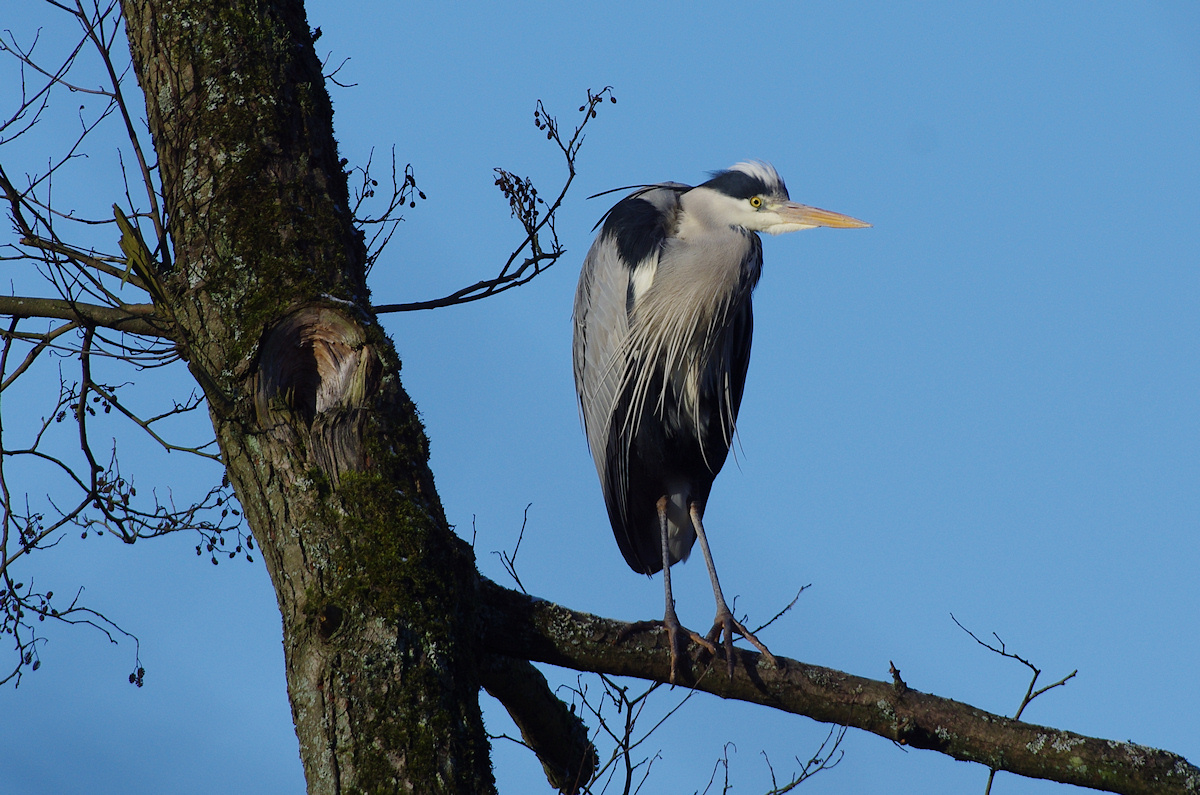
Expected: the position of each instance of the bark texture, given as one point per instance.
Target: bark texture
(534, 629)
(385, 621)
(268, 301)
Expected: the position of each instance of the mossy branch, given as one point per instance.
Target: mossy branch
(530, 628)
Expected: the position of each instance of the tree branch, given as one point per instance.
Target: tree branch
(530, 628)
(549, 727)
(129, 318)
(526, 206)
(83, 259)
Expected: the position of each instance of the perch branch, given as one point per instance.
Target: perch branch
(534, 629)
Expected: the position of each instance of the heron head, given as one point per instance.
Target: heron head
(752, 195)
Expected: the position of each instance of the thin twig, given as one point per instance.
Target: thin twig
(525, 204)
(780, 614)
(1030, 693)
(510, 561)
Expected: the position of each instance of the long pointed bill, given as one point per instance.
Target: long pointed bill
(795, 216)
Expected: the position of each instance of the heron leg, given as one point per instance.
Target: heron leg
(725, 624)
(675, 630)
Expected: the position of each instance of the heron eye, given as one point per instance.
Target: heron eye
(756, 202)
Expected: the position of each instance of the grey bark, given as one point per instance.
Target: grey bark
(268, 301)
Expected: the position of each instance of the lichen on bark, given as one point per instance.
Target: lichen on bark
(325, 450)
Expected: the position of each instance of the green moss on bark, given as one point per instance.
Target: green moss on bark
(403, 571)
(377, 594)
(253, 161)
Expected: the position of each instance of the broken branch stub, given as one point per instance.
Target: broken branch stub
(316, 373)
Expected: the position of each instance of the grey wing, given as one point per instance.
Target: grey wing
(629, 243)
(601, 331)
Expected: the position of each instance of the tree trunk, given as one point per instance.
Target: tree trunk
(320, 441)
(385, 621)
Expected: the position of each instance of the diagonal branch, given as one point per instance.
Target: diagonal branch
(548, 727)
(530, 628)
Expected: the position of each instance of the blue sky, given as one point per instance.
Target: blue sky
(986, 405)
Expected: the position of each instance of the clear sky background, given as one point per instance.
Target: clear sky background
(986, 405)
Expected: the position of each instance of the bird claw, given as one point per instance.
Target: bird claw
(677, 637)
(724, 625)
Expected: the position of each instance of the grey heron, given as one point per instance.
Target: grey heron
(662, 340)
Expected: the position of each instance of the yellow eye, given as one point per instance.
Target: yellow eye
(756, 202)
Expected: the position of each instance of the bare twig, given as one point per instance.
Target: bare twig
(1030, 693)
(722, 764)
(536, 217)
(510, 561)
(20, 604)
(623, 767)
(781, 613)
(404, 193)
(85, 314)
(822, 759)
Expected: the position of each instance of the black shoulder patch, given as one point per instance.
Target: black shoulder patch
(638, 227)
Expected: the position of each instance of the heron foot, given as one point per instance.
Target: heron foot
(724, 625)
(677, 637)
